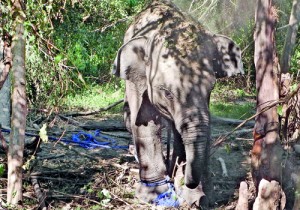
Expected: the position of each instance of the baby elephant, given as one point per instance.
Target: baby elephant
(170, 64)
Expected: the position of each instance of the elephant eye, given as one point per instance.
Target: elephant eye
(168, 94)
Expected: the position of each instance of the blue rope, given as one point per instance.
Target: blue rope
(85, 140)
(89, 141)
(168, 198)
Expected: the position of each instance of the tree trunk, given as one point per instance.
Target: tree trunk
(5, 89)
(267, 151)
(290, 38)
(19, 107)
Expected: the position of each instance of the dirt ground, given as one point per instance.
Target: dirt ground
(67, 176)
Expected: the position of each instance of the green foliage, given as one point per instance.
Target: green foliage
(232, 110)
(95, 96)
(2, 169)
(280, 110)
(91, 32)
(70, 44)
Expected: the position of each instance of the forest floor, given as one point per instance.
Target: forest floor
(63, 175)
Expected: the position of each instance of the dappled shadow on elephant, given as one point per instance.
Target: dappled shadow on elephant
(170, 65)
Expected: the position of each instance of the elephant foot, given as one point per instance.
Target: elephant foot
(148, 194)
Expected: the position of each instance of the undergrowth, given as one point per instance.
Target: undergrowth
(231, 102)
(95, 97)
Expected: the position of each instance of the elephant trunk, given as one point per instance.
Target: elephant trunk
(196, 140)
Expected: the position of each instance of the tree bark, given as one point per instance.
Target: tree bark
(5, 89)
(267, 151)
(19, 107)
(290, 38)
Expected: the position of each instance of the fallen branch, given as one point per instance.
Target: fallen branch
(39, 194)
(75, 114)
(230, 121)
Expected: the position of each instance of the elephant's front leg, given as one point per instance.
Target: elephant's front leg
(145, 123)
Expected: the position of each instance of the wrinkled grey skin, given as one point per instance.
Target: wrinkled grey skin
(170, 65)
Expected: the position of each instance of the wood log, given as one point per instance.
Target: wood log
(230, 121)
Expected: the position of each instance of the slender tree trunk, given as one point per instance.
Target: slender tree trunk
(290, 38)
(19, 107)
(5, 89)
(267, 151)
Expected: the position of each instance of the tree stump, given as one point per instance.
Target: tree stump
(270, 196)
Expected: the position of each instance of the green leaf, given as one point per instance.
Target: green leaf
(280, 110)
(227, 148)
(58, 58)
(294, 87)
(43, 133)
(2, 169)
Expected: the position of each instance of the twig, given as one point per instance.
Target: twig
(103, 29)
(59, 138)
(175, 166)
(36, 148)
(116, 197)
(40, 196)
(75, 114)
(224, 169)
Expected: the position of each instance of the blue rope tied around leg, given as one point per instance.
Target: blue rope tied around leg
(168, 198)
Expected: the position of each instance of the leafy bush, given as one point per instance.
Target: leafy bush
(82, 35)
(71, 46)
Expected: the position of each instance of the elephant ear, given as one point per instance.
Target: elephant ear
(231, 58)
(130, 62)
